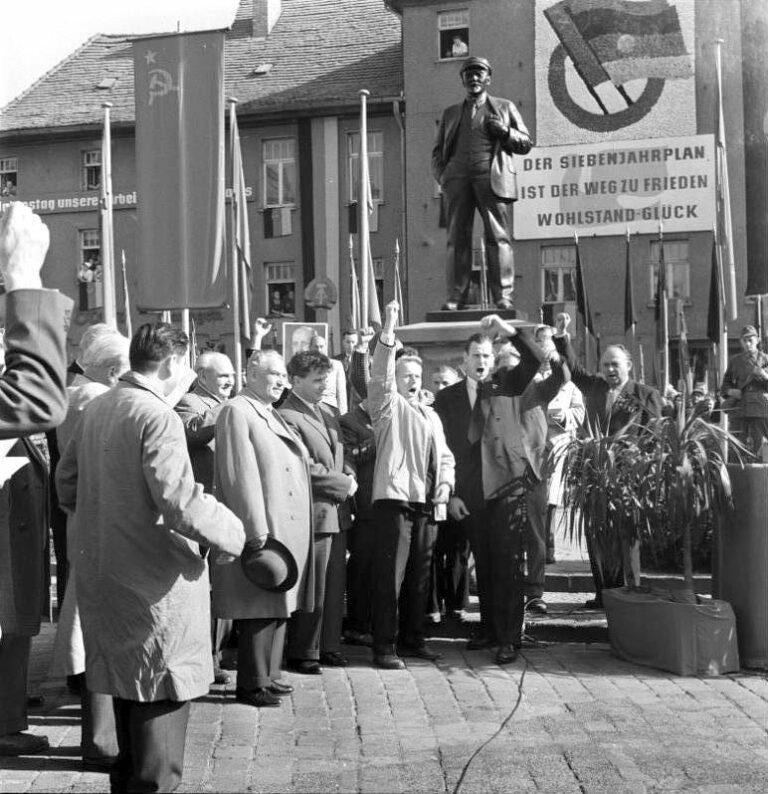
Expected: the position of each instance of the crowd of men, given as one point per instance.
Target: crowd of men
(270, 525)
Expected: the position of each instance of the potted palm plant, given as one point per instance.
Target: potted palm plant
(659, 479)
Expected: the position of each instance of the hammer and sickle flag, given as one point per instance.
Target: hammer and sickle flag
(179, 91)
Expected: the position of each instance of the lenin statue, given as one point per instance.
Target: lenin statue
(474, 165)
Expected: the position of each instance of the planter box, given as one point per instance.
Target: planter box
(648, 627)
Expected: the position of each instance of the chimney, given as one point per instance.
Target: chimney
(265, 15)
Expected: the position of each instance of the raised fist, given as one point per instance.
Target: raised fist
(261, 327)
(24, 241)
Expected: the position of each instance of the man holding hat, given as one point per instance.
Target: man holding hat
(745, 386)
(262, 475)
(472, 160)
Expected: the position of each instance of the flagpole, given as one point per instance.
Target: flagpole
(233, 260)
(355, 289)
(663, 313)
(107, 228)
(362, 201)
(629, 299)
(586, 329)
(127, 300)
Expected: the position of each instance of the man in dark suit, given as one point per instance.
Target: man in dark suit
(199, 410)
(496, 428)
(348, 344)
(472, 161)
(314, 637)
(611, 399)
(32, 400)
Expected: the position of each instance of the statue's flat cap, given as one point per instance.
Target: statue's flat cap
(474, 62)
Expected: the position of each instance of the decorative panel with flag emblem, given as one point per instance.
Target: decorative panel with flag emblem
(179, 89)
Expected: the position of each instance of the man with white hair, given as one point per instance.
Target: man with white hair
(199, 409)
(103, 362)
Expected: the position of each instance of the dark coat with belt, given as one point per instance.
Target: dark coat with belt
(32, 399)
(503, 172)
(360, 455)
(322, 439)
(636, 400)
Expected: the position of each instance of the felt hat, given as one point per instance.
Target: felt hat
(474, 62)
(748, 330)
(271, 567)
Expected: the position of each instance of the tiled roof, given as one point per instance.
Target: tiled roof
(322, 53)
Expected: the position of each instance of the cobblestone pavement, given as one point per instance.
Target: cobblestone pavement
(566, 717)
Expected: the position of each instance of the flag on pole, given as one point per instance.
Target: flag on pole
(374, 311)
(242, 237)
(126, 297)
(106, 224)
(684, 356)
(179, 94)
(630, 317)
(723, 200)
(715, 315)
(582, 300)
(661, 308)
(398, 283)
(355, 319)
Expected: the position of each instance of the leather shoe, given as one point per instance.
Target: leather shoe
(260, 697)
(221, 676)
(15, 744)
(388, 661)
(333, 659)
(418, 652)
(450, 306)
(506, 654)
(280, 689)
(505, 304)
(304, 666)
(536, 605)
(480, 643)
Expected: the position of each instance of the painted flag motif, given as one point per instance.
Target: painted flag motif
(179, 90)
(621, 40)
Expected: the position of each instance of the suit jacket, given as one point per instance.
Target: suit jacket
(503, 173)
(321, 437)
(262, 474)
(199, 410)
(360, 455)
(635, 400)
(749, 374)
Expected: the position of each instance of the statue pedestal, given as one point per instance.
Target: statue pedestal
(441, 339)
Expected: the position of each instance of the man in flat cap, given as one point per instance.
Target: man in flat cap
(473, 162)
(745, 388)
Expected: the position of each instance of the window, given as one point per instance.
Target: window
(279, 157)
(9, 176)
(678, 275)
(453, 34)
(89, 270)
(91, 169)
(558, 281)
(375, 165)
(281, 288)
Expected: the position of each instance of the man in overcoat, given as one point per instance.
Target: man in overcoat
(142, 585)
(315, 637)
(473, 163)
(32, 399)
(262, 474)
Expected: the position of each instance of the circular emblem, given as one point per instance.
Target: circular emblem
(321, 293)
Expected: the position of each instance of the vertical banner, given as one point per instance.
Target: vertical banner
(179, 90)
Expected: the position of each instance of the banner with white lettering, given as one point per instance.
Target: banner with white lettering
(611, 69)
(603, 188)
(179, 89)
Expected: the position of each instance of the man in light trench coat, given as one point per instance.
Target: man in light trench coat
(142, 586)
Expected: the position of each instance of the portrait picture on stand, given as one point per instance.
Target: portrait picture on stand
(298, 337)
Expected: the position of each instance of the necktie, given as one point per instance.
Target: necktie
(477, 418)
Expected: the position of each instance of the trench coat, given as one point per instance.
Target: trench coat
(262, 474)
(142, 586)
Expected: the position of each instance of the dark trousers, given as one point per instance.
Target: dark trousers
(609, 576)
(151, 739)
(333, 605)
(400, 576)
(304, 628)
(361, 541)
(496, 539)
(98, 738)
(463, 195)
(449, 580)
(259, 652)
(536, 540)
(14, 661)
